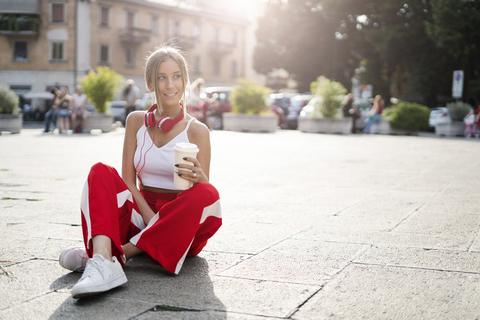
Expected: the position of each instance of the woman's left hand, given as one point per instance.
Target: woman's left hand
(194, 172)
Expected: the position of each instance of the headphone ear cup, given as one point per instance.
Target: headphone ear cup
(145, 119)
(151, 119)
(167, 125)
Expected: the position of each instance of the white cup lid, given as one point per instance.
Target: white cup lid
(186, 147)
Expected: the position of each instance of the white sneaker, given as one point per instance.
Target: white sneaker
(73, 259)
(100, 275)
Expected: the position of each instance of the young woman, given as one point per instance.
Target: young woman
(122, 218)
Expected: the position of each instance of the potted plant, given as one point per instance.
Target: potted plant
(403, 118)
(10, 115)
(456, 127)
(249, 110)
(323, 114)
(100, 86)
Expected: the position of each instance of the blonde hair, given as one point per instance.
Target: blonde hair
(154, 59)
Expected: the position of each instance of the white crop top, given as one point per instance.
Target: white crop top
(155, 166)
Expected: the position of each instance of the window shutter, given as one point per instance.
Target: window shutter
(57, 12)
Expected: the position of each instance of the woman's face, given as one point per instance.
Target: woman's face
(170, 86)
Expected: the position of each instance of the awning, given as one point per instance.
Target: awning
(38, 95)
(20, 7)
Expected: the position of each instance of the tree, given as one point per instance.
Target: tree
(101, 85)
(403, 47)
(454, 28)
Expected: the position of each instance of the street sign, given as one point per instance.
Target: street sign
(457, 85)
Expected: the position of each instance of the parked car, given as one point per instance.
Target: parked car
(362, 105)
(117, 108)
(216, 101)
(281, 100)
(438, 115)
(296, 105)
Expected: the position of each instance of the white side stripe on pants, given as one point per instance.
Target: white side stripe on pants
(84, 205)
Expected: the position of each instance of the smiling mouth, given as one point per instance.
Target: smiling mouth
(171, 94)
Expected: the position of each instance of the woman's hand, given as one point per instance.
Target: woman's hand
(194, 172)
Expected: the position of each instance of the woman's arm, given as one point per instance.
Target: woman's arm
(199, 134)
(133, 123)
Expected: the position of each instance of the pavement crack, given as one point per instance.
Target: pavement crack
(408, 216)
(26, 199)
(414, 268)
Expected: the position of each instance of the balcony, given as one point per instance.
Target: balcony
(19, 25)
(186, 43)
(220, 49)
(135, 35)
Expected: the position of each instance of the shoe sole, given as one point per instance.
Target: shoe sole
(61, 258)
(93, 290)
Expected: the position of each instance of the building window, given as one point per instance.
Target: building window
(57, 14)
(20, 89)
(103, 54)
(234, 69)
(216, 67)
(20, 51)
(58, 51)
(130, 57)
(197, 64)
(177, 29)
(197, 31)
(155, 26)
(104, 16)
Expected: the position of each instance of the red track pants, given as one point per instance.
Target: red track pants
(183, 223)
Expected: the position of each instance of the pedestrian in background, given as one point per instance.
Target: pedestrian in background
(349, 110)
(375, 114)
(79, 109)
(472, 119)
(64, 104)
(123, 216)
(130, 94)
(51, 115)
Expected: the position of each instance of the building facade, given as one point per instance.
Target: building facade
(45, 43)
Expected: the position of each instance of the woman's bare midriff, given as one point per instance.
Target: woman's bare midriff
(159, 190)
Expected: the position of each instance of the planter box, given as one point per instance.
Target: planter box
(100, 121)
(249, 122)
(383, 127)
(452, 129)
(11, 122)
(324, 125)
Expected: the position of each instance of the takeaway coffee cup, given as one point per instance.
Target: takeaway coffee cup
(182, 150)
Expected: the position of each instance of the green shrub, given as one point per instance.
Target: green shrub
(101, 85)
(408, 116)
(458, 110)
(330, 97)
(8, 101)
(248, 98)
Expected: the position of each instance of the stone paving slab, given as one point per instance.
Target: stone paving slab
(315, 226)
(422, 258)
(298, 261)
(380, 292)
(396, 239)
